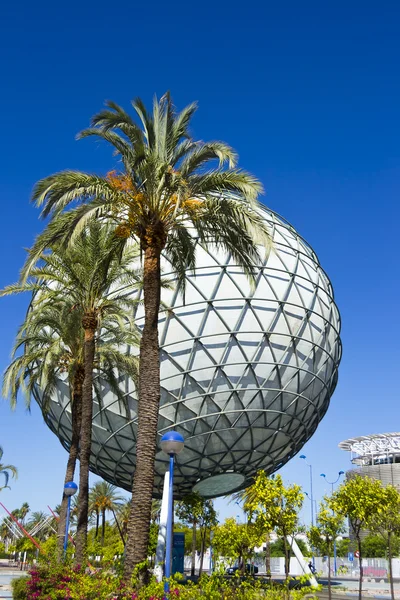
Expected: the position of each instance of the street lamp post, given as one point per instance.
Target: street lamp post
(171, 443)
(70, 488)
(304, 457)
(315, 502)
(332, 483)
(244, 516)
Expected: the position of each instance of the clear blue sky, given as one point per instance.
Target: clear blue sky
(309, 95)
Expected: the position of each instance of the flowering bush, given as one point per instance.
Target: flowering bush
(56, 581)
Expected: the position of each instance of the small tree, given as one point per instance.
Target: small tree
(387, 524)
(375, 545)
(237, 541)
(189, 510)
(342, 547)
(329, 526)
(207, 521)
(360, 499)
(276, 507)
(277, 548)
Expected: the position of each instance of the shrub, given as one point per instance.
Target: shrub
(19, 588)
(56, 581)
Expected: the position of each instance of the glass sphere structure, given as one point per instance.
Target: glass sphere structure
(247, 371)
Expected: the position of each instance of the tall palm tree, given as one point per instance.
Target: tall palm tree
(52, 340)
(6, 470)
(103, 497)
(85, 281)
(169, 185)
(52, 343)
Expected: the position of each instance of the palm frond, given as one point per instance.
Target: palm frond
(223, 183)
(57, 191)
(180, 250)
(204, 153)
(117, 118)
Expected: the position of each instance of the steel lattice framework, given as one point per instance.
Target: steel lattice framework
(246, 372)
(368, 446)
(376, 456)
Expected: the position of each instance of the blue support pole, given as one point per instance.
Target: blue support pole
(312, 509)
(67, 526)
(168, 550)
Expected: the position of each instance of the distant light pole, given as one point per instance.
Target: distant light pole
(315, 502)
(172, 443)
(242, 509)
(332, 483)
(304, 457)
(70, 488)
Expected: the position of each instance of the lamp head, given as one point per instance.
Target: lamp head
(323, 475)
(303, 456)
(341, 473)
(70, 488)
(172, 443)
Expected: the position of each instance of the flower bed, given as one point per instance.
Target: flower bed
(59, 582)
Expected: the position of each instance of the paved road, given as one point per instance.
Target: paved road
(371, 589)
(5, 581)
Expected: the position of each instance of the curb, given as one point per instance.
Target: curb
(376, 596)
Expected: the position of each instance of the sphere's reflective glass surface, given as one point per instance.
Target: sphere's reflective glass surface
(247, 372)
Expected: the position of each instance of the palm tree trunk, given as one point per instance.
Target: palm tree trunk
(103, 525)
(97, 523)
(76, 413)
(118, 527)
(148, 406)
(89, 323)
(193, 567)
(390, 564)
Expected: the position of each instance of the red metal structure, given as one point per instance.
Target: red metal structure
(22, 528)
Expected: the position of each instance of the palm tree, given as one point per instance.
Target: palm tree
(52, 339)
(155, 510)
(122, 518)
(169, 185)
(79, 281)
(52, 342)
(102, 498)
(6, 470)
(5, 532)
(39, 525)
(23, 511)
